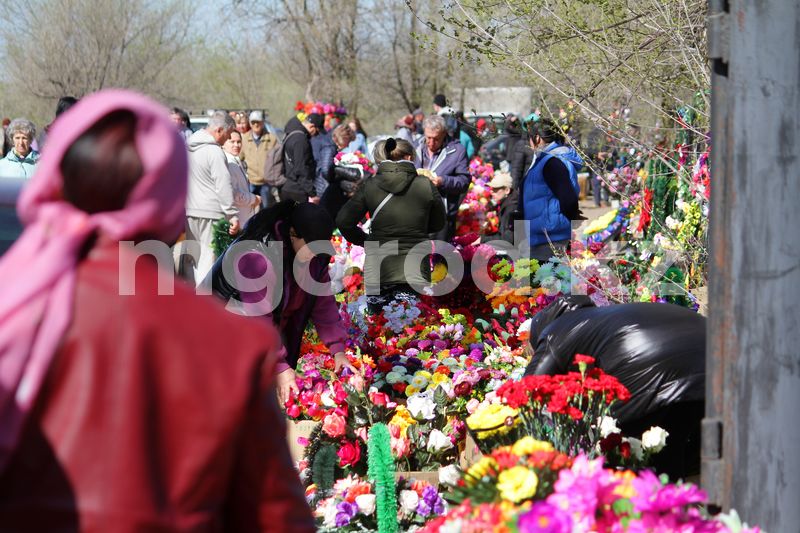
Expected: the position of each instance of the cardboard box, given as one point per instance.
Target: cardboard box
(296, 429)
(430, 477)
(470, 454)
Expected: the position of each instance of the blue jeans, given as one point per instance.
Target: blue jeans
(600, 193)
(263, 192)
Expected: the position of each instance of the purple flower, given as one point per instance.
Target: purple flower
(412, 352)
(424, 344)
(476, 354)
(430, 503)
(544, 518)
(346, 512)
(439, 345)
(653, 497)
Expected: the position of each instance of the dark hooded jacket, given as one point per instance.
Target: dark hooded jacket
(415, 211)
(658, 351)
(299, 165)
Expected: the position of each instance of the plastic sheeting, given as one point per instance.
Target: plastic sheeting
(656, 350)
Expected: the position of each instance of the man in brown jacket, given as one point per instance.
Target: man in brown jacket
(255, 145)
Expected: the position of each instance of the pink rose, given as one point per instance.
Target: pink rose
(293, 411)
(400, 447)
(333, 425)
(472, 405)
(357, 382)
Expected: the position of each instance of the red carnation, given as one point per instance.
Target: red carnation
(581, 358)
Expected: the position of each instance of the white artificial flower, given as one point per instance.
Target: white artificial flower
(409, 499)
(449, 475)
(607, 426)
(636, 448)
(366, 503)
(672, 223)
(421, 406)
(654, 439)
(328, 511)
(327, 399)
(438, 441)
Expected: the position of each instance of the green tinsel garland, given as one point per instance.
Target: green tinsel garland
(323, 470)
(221, 238)
(381, 472)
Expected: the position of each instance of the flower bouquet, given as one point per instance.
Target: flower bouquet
(352, 505)
(561, 409)
(530, 487)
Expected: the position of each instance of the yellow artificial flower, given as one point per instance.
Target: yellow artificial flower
(439, 273)
(517, 484)
(402, 418)
(485, 466)
(411, 389)
(493, 419)
(529, 445)
(625, 488)
(438, 379)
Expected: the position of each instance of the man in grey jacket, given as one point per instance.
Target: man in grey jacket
(210, 194)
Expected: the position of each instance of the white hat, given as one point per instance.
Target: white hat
(256, 116)
(501, 179)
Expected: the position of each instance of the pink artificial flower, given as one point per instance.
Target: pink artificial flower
(334, 425)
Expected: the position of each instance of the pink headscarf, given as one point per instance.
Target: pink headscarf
(37, 275)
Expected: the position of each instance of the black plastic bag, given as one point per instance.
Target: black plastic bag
(657, 350)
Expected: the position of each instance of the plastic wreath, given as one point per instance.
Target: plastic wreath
(381, 472)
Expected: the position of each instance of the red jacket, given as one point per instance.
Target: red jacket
(158, 414)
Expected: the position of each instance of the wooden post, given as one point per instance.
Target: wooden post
(751, 434)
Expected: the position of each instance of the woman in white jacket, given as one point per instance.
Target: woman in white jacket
(246, 202)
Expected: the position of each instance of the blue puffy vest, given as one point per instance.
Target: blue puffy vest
(539, 205)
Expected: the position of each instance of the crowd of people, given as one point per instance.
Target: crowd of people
(118, 166)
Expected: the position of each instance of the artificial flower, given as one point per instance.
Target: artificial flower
(517, 484)
(654, 439)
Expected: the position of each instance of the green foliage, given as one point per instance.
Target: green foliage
(221, 237)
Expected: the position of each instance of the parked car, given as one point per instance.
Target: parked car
(494, 151)
(10, 226)
(201, 121)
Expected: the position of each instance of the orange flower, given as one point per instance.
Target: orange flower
(357, 490)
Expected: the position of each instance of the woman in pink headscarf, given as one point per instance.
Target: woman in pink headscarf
(128, 413)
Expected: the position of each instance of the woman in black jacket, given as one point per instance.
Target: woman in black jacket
(404, 208)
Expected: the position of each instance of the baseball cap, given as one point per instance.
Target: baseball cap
(501, 179)
(317, 120)
(256, 116)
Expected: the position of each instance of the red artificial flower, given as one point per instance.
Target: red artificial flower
(399, 387)
(610, 442)
(349, 454)
(625, 450)
(505, 459)
(574, 413)
(379, 398)
(588, 359)
(462, 389)
(514, 393)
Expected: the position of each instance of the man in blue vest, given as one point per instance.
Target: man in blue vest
(549, 199)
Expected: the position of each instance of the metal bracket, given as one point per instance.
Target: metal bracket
(712, 462)
(719, 36)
